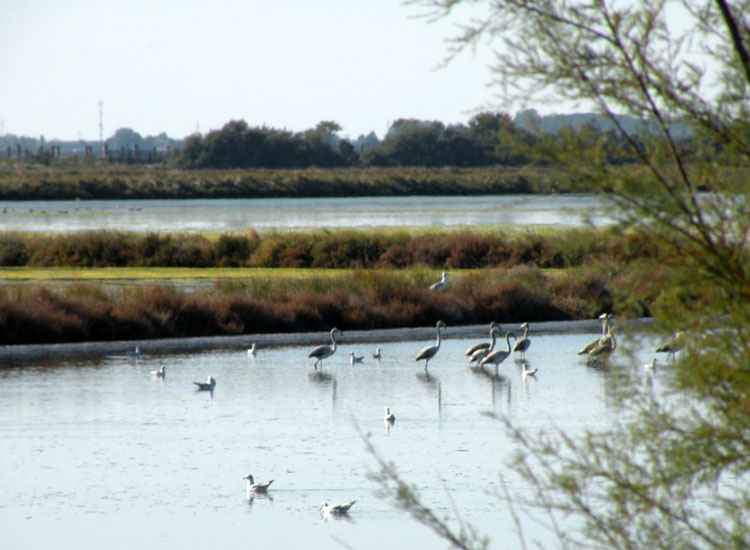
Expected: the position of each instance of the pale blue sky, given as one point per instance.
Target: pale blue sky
(180, 65)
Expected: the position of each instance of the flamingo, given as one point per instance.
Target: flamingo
(481, 345)
(606, 346)
(323, 352)
(500, 355)
(673, 346)
(523, 344)
(604, 320)
(430, 351)
(481, 353)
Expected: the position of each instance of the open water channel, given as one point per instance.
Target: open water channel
(236, 215)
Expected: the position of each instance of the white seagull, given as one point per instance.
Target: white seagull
(161, 373)
(377, 355)
(256, 488)
(430, 351)
(441, 284)
(354, 359)
(526, 371)
(389, 416)
(336, 509)
(252, 350)
(208, 385)
(323, 352)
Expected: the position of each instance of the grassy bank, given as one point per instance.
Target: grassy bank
(98, 180)
(350, 299)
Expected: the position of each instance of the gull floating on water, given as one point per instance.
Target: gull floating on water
(256, 488)
(430, 351)
(377, 355)
(161, 373)
(136, 353)
(252, 350)
(208, 385)
(354, 359)
(526, 371)
(389, 416)
(336, 509)
(323, 352)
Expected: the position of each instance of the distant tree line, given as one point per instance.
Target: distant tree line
(487, 139)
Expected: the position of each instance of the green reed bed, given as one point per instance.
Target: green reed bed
(339, 249)
(96, 180)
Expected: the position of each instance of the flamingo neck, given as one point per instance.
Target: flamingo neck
(507, 340)
(333, 341)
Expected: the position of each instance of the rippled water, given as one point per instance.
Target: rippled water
(101, 454)
(225, 215)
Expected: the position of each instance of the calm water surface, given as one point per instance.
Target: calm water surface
(100, 454)
(229, 215)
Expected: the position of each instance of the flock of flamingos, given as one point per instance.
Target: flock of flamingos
(483, 354)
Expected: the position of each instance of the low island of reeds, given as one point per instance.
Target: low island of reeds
(295, 282)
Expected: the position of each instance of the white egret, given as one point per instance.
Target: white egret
(430, 351)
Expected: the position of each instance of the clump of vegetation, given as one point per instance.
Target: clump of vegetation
(327, 249)
(359, 299)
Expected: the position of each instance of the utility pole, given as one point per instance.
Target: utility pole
(101, 123)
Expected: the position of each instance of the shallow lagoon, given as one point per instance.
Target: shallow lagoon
(237, 215)
(100, 453)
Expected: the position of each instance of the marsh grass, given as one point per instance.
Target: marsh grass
(350, 299)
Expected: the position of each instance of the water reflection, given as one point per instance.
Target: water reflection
(94, 440)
